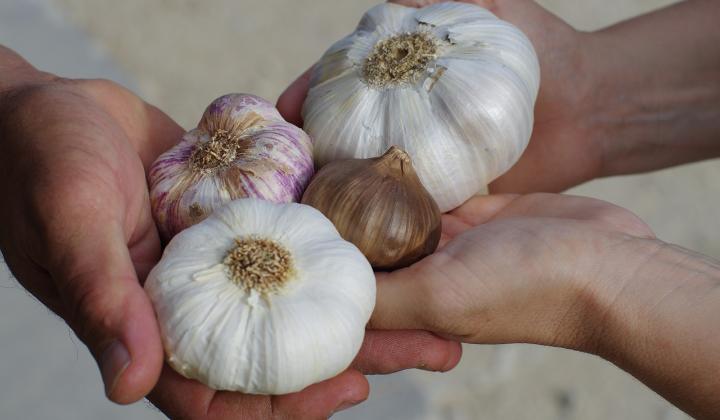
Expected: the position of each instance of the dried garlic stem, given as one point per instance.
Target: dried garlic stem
(219, 152)
(259, 264)
(400, 59)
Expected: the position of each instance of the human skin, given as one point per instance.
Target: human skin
(578, 273)
(637, 96)
(569, 272)
(79, 235)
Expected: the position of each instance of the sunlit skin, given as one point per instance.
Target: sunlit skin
(78, 234)
(575, 272)
(570, 272)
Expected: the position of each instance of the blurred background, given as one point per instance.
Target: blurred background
(181, 54)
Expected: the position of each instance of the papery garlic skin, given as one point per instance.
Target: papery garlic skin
(464, 116)
(240, 340)
(379, 205)
(273, 161)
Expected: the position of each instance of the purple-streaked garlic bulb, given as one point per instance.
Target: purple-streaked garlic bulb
(242, 147)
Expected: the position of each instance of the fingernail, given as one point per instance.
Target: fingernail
(451, 362)
(115, 359)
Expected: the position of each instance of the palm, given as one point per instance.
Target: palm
(493, 245)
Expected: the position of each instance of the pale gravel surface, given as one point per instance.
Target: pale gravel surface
(180, 55)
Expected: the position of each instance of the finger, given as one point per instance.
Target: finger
(406, 298)
(140, 120)
(604, 215)
(321, 400)
(392, 351)
(451, 227)
(107, 308)
(480, 209)
(163, 131)
(291, 101)
(181, 398)
(488, 4)
(527, 15)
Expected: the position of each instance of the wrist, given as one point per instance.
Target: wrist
(575, 304)
(596, 308)
(654, 102)
(603, 295)
(653, 317)
(616, 116)
(637, 295)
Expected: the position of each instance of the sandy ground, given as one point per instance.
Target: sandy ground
(180, 55)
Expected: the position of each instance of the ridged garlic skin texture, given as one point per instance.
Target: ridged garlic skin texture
(273, 162)
(229, 339)
(465, 121)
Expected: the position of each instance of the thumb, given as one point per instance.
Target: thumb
(407, 299)
(290, 102)
(108, 309)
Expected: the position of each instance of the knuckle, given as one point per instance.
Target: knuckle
(637, 227)
(624, 220)
(101, 89)
(88, 316)
(18, 105)
(96, 84)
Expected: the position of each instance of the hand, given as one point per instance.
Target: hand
(562, 148)
(382, 352)
(512, 269)
(569, 272)
(79, 235)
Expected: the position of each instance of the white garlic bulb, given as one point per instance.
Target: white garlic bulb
(450, 83)
(261, 298)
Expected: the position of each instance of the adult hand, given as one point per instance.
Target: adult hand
(562, 148)
(634, 97)
(79, 235)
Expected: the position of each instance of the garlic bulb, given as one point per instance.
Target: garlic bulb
(380, 206)
(450, 83)
(261, 298)
(242, 147)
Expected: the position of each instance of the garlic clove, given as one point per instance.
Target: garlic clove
(380, 206)
(359, 105)
(385, 20)
(241, 148)
(232, 337)
(426, 141)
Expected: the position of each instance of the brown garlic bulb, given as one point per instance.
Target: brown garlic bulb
(380, 206)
